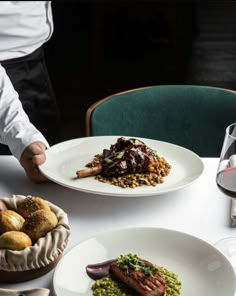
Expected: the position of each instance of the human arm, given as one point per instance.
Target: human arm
(26, 143)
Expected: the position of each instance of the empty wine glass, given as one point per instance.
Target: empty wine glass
(226, 182)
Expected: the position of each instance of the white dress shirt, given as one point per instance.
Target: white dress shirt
(24, 27)
(16, 131)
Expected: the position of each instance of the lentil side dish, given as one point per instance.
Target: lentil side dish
(128, 163)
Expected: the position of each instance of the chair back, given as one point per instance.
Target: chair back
(194, 117)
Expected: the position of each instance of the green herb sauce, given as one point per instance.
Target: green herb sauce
(108, 287)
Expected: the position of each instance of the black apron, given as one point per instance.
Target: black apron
(30, 79)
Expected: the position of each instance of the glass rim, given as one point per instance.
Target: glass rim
(228, 130)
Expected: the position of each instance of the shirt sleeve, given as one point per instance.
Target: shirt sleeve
(16, 130)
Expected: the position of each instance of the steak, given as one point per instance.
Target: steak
(146, 284)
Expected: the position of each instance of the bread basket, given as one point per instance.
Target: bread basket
(41, 257)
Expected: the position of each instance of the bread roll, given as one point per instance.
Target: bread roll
(10, 220)
(3, 206)
(39, 223)
(28, 205)
(14, 240)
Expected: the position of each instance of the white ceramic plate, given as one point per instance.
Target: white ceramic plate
(64, 159)
(202, 269)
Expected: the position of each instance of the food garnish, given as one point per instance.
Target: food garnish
(134, 262)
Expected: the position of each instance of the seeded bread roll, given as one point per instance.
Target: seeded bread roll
(3, 206)
(14, 240)
(39, 223)
(10, 220)
(31, 204)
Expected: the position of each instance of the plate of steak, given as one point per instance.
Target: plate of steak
(148, 262)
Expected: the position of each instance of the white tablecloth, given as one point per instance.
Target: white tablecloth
(199, 209)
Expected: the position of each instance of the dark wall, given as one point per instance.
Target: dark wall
(102, 47)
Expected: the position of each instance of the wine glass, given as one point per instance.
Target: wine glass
(226, 182)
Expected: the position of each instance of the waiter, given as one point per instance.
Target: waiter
(25, 26)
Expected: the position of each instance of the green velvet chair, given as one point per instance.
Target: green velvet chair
(194, 117)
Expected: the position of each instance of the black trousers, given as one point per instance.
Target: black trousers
(30, 78)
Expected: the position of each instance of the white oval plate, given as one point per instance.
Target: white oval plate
(202, 269)
(64, 159)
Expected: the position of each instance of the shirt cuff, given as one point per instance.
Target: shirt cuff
(21, 136)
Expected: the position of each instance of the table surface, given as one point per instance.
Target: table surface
(199, 209)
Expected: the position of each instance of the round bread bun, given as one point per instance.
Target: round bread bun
(3, 206)
(10, 220)
(39, 223)
(14, 240)
(31, 204)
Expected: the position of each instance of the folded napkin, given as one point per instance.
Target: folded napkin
(30, 292)
(232, 162)
(233, 212)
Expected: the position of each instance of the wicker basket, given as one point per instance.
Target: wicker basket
(42, 257)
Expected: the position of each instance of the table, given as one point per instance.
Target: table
(199, 209)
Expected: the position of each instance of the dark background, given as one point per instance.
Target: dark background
(103, 47)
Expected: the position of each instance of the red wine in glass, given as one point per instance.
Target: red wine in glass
(226, 181)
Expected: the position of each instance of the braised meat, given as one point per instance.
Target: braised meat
(127, 156)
